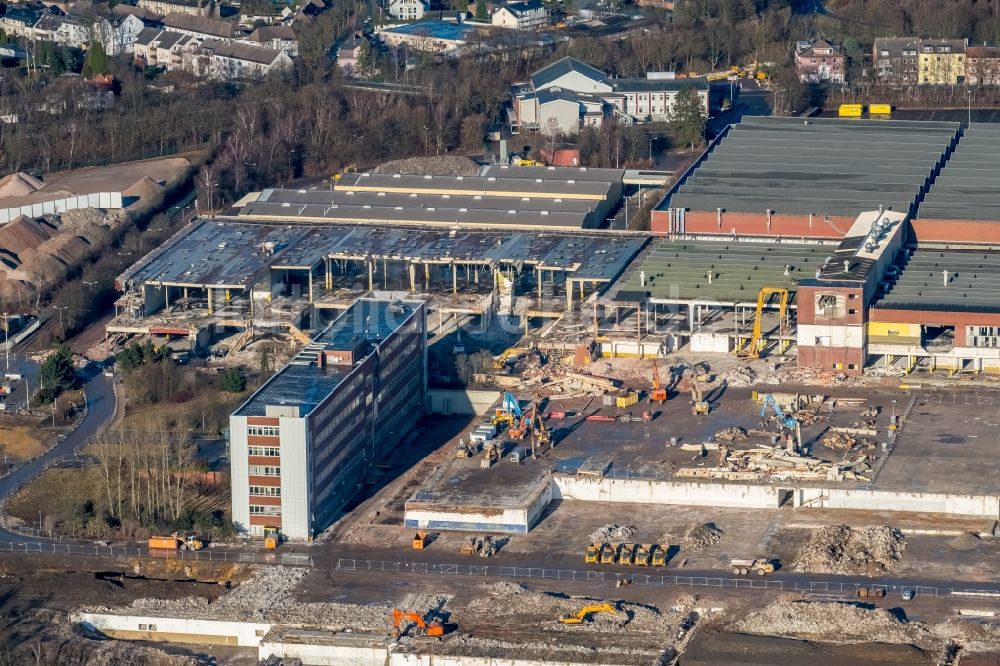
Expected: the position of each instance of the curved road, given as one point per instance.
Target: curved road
(100, 408)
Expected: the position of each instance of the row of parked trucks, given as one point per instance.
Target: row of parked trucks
(641, 554)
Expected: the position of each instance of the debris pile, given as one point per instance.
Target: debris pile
(840, 549)
(731, 434)
(442, 165)
(838, 440)
(739, 377)
(835, 622)
(613, 533)
(699, 536)
(882, 371)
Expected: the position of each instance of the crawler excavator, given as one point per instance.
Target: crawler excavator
(584, 613)
(434, 628)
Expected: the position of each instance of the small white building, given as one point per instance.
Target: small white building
(526, 15)
(162, 48)
(407, 10)
(278, 37)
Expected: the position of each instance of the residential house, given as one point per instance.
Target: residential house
(490, 8)
(148, 18)
(201, 27)
(77, 30)
(407, 10)
(162, 48)
(164, 7)
(982, 65)
(20, 20)
(552, 90)
(225, 60)
(46, 29)
(118, 33)
(278, 37)
(348, 52)
(526, 15)
(820, 61)
(895, 59)
(942, 61)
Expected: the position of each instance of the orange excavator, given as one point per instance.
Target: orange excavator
(658, 394)
(433, 628)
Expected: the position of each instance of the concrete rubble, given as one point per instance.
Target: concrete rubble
(840, 549)
(835, 622)
(613, 533)
(698, 536)
(964, 541)
(442, 165)
(731, 434)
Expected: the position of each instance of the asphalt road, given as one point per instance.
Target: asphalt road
(100, 408)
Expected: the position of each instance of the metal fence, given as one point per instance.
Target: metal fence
(961, 399)
(820, 587)
(209, 555)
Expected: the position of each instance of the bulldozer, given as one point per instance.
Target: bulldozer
(584, 613)
(432, 628)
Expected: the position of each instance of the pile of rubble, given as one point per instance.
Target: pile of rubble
(613, 533)
(834, 622)
(840, 549)
(739, 377)
(731, 434)
(838, 440)
(882, 371)
(964, 541)
(442, 165)
(699, 536)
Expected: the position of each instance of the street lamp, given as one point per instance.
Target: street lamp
(774, 110)
(651, 140)
(426, 139)
(62, 326)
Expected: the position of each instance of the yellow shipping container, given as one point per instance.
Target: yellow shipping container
(880, 110)
(851, 110)
(627, 401)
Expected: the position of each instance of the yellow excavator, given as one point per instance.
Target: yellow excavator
(752, 350)
(584, 613)
(350, 168)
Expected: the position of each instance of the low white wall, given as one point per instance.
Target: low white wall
(884, 500)
(711, 342)
(176, 630)
(325, 655)
(472, 402)
(475, 519)
(665, 492)
(437, 660)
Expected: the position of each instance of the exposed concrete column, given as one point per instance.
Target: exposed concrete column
(475, 276)
(166, 296)
(413, 277)
(595, 320)
(209, 289)
(371, 273)
(329, 274)
(427, 277)
(691, 317)
(569, 294)
(310, 286)
(185, 292)
(454, 278)
(539, 281)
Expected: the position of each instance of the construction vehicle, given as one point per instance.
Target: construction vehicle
(520, 161)
(484, 546)
(350, 168)
(509, 411)
(642, 553)
(420, 540)
(593, 554)
(609, 553)
(752, 350)
(272, 538)
(744, 567)
(433, 628)
(584, 613)
(493, 450)
(627, 554)
(659, 555)
(787, 422)
(699, 406)
(501, 361)
(646, 417)
(465, 449)
(176, 541)
(658, 394)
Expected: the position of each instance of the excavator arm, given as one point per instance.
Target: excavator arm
(581, 615)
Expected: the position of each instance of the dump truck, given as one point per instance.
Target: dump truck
(659, 555)
(642, 553)
(593, 554)
(759, 567)
(609, 554)
(627, 555)
(176, 541)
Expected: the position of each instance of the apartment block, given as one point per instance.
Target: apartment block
(303, 443)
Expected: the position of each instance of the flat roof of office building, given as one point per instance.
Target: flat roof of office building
(491, 185)
(819, 165)
(303, 381)
(968, 187)
(973, 282)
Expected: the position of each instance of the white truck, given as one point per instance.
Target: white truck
(745, 567)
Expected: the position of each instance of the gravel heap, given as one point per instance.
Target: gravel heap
(965, 541)
(699, 536)
(839, 549)
(832, 622)
(443, 165)
(613, 533)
